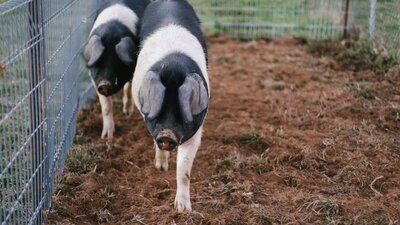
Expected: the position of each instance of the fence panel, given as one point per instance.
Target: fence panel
(43, 81)
(21, 112)
(317, 19)
(66, 25)
(313, 19)
(387, 27)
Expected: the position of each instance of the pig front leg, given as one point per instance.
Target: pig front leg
(186, 154)
(161, 159)
(127, 108)
(108, 119)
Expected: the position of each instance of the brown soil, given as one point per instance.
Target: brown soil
(290, 138)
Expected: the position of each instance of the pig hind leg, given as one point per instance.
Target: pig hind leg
(127, 108)
(185, 158)
(161, 159)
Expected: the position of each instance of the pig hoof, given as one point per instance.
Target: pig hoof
(109, 143)
(161, 164)
(161, 159)
(108, 131)
(131, 109)
(182, 204)
(127, 110)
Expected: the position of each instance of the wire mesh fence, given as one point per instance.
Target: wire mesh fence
(313, 19)
(66, 25)
(43, 81)
(21, 122)
(318, 19)
(385, 26)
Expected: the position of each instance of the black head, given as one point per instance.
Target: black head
(112, 60)
(174, 106)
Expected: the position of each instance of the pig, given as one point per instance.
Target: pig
(111, 54)
(170, 86)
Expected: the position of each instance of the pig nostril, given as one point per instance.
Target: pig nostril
(166, 144)
(159, 142)
(105, 89)
(172, 145)
(167, 140)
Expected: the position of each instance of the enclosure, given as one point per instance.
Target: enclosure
(303, 128)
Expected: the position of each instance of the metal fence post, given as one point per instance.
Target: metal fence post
(372, 18)
(346, 19)
(36, 108)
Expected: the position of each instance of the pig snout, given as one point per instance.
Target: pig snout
(105, 88)
(167, 140)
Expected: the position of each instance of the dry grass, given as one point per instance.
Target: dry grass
(323, 148)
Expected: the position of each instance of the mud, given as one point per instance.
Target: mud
(291, 138)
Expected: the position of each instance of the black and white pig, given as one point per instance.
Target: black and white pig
(170, 86)
(111, 54)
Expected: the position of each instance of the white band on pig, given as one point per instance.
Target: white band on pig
(120, 13)
(165, 41)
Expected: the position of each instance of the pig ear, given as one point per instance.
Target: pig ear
(193, 97)
(93, 50)
(151, 95)
(125, 50)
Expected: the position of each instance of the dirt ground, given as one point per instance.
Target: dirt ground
(292, 137)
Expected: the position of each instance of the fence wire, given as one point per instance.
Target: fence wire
(385, 30)
(22, 120)
(311, 19)
(66, 25)
(43, 81)
(317, 19)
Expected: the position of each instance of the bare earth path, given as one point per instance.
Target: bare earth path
(290, 138)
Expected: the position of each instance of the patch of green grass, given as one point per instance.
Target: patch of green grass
(355, 55)
(360, 90)
(225, 165)
(81, 161)
(231, 162)
(376, 220)
(225, 179)
(259, 164)
(259, 160)
(224, 58)
(391, 143)
(263, 218)
(105, 195)
(327, 209)
(252, 139)
(291, 182)
(103, 216)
